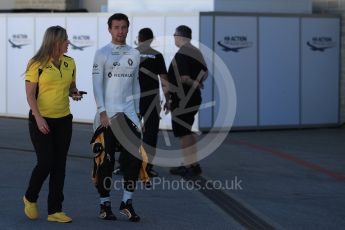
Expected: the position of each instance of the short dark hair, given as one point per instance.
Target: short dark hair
(145, 34)
(118, 17)
(184, 31)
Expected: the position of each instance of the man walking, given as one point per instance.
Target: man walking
(116, 90)
(152, 65)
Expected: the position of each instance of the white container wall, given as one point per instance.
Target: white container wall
(285, 68)
(206, 38)
(236, 45)
(3, 67)
(83, 40)
(20, 48)
(278, 71)
(320, 68)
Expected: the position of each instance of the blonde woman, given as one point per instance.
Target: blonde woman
(49, 81)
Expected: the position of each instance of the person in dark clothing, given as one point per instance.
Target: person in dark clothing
(186, 75)
(152, 66)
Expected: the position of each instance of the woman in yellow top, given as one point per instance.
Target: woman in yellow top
(49, 81)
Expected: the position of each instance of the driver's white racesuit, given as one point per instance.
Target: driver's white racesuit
(116, 81)
(117, 91)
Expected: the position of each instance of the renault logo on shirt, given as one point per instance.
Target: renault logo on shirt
(65, 64)
(130, 62)
(95, 69)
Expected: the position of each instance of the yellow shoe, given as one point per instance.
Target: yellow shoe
(60, 217)
(30, 209)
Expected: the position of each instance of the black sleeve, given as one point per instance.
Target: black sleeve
(161, 68)
(172, 76)
(171, 73)
(183, 64)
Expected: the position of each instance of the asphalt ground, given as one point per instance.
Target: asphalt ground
(286, 179)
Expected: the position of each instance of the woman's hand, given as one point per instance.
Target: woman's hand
(31, 89)
(42, 124)
(74, 93)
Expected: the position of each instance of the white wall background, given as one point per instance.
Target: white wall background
(3, 67)
(287, 94)
(89, 30)
(206, 38)
(294, 85)
(243, 64)
(160, 6)
(277, 6)
(320, 72)
(20, 30)
(83, 36)
(279, 71)
(255, 6)
(43, 22)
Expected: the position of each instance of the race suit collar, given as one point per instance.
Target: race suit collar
(115, 46)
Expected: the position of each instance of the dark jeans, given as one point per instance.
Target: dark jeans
(51, 151)
(129, 163)
(150, 135)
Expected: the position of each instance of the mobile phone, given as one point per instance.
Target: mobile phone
(82, 92)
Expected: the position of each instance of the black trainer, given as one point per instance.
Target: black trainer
(127, 210)
(190, 174)
(148, 184)
(118, 171)
(178, 171)
(197, 169)
(152, 173)
(105, 212)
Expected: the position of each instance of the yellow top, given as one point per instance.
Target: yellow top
(53, 86)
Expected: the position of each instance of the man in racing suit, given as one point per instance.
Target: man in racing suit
(117, 94)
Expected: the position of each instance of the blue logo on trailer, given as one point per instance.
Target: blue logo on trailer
(234, 43)
(320, 44)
